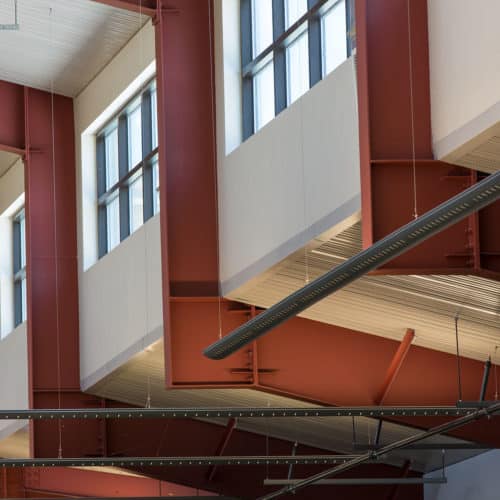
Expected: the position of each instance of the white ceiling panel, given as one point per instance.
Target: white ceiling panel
(62, 44)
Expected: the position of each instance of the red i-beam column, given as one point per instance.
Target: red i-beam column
(395, 127)
(188, 194)
(53, 344)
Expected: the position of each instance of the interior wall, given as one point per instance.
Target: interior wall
(121, 304)
(119, 294)
(273, 198)
(473, 479)
(463, 43)
(14, 377)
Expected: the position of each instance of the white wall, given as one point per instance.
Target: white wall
(13, 377)
(294, 179)
(121, 304)
(477, 478)
(464, 47)
(120, 295)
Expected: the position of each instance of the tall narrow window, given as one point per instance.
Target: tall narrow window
(263, 80)
(263, 83)
(19, 232)
(127, 149)
(334, 33)
(287, 46)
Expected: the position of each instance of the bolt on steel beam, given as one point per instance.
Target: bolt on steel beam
(176, 461)
(235, 412)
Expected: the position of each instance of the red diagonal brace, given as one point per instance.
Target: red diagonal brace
(395, 489)
(395, 365)
(231, 424)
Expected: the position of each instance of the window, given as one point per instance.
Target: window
(286, 47)
(127, 170)
(19, 252)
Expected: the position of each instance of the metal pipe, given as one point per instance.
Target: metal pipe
(403, 443)
(176, 461)
(430, 446)
(486, 376)
(439, 218)
(372, 481)
(235, 412)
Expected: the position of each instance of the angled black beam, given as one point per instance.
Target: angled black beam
(372, 455)
(176, 461)
(429, 446)
(146, 498)
(400, 241)
(486, 376)
(368, 481)
(235, 412)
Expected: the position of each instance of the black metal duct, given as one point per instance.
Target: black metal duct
(177, 461)
(235, 412)
(455, 209)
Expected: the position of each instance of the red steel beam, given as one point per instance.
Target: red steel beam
(231, 424)
(387, 145)
(395, 366)
(52, 286)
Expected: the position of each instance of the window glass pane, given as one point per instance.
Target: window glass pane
(134, 137)
(334, 37)
(297, 61)
(263, 87)
(111, 148)
(113, 219)
(156, 187)
(294, 10)
(154, 119)
(23, 300)
(22, 235)
(135, 196)
(262, 24)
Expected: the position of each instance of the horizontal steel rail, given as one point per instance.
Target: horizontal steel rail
(436, 220)
(372, 455)
(257, 412)
(368, 481)
(176, 461)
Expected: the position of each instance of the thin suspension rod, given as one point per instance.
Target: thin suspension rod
(459, 422)
(436, 220)
(235, 412)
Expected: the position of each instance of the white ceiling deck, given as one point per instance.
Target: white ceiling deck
(62, 44)
(6, 161)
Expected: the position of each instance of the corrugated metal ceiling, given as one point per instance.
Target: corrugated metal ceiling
(69, 46)
(388, 305)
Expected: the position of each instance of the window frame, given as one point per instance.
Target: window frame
(19, 270)
(126, 173)
(276, 51)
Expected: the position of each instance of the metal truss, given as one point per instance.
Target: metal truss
(235, 412)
